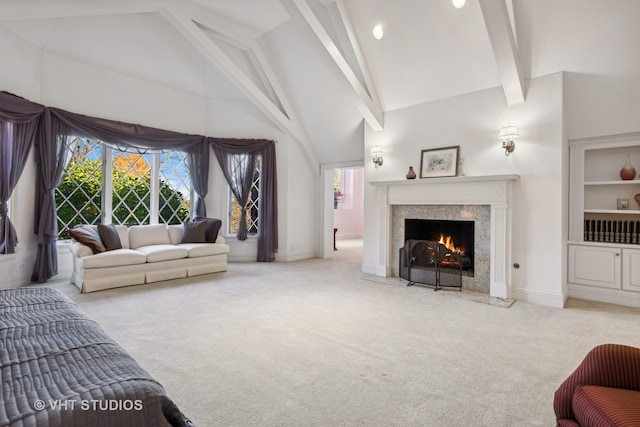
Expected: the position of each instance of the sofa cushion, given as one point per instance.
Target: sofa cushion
(158, 253)
(87, 235)
(123, 232)
(605, 406)
(110, 237)
(114, 258)
(79, 250)
(213, 227)
(194, 232)
(175, 233)
(197, 250)
(146, 235)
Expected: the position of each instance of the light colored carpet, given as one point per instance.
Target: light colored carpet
(311, 343)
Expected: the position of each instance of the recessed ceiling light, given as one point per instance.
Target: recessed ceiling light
(458, 3)
(378, 32)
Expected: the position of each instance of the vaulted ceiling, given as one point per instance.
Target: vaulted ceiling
(313, 67)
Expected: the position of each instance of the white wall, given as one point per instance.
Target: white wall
(92, 90)
(95, 91)
(301, 210)
(473, 121)
(297, 204)
(297, 181)
(599, 105)
(20, 75)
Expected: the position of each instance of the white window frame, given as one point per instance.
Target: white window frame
(107, 187)
(230, 198)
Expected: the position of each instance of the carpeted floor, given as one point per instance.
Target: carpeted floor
(312, 343)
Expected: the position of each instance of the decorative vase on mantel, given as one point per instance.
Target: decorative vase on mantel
(628, 171)
(411, 174)
(637, 199)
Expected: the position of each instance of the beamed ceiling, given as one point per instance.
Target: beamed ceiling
(313, 68)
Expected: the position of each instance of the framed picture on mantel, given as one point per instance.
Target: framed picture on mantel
(439, 162)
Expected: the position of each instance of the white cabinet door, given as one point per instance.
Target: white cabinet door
(595, 266)
(631, 269)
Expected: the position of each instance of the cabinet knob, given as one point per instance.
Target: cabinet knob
(617, 253)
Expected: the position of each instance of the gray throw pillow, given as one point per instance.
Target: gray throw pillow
(194, 232)
(110, 237)
(86, 235)
(213, 227)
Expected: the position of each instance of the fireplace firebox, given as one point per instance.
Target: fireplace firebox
(437, 252)
(457, 236)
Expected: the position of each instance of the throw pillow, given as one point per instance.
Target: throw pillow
(110, 237)
(213, 227)
(86, 235)
(194, 232)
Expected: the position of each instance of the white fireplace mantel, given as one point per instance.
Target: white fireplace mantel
(492, 190)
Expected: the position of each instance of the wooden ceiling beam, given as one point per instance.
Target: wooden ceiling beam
(51, 9)
(237, 32)
(370, 109)
(186, 26)
(271, 81)
(505, 50)
(343, 17)
(183, 16)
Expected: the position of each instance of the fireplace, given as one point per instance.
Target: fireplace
(473, 279)
(484, 199)
(455, 236)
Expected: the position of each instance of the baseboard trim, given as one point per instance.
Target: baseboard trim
(296, 257)
(15, 283)
(374, 269)
(279, 258)
(546, 298)
(247, 258)
(611, 296)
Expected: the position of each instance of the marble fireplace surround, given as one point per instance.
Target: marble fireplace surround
(479, 214)
(492, 191)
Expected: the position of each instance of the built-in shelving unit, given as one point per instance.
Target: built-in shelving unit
(624, 189)
(604, 220)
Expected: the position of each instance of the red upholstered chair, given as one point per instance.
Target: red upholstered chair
(604, 390)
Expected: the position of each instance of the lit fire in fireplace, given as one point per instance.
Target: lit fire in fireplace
(447, 242)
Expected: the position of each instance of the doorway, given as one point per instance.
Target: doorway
(348, 213)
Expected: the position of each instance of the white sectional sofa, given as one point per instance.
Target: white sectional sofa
(149, 253)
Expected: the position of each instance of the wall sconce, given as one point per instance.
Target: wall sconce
(376, 155)
(507, 135)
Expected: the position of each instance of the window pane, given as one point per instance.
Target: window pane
(252, 207)
(131, 188)
(79, 194)
(175, 188)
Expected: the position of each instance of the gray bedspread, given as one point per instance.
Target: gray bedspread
(59, 368)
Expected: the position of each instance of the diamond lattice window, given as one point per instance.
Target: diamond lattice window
(131, 188)
(175, 188)
(79, 194)
(141, 188)
(253, 203)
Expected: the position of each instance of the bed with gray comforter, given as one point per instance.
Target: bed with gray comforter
(59, 368)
